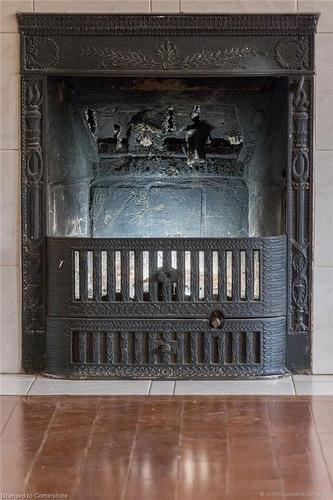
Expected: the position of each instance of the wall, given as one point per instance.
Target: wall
(10, 152)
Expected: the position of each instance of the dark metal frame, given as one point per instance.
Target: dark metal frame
(175, 45)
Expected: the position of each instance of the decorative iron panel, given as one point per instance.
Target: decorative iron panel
(157, 277)
(165, 348)
(281, 45)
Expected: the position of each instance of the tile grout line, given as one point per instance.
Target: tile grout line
(294, 385)
(150, 386)
(321, 446)
(174, 387)
(10, 416)
(86, 450)
(41, 446)
(6, 150)
(30, 386)
(176, 496)
(131, 455)
(272, 443)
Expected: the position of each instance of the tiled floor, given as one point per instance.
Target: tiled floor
(320, 385)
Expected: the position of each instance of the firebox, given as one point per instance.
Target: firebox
(167, 194)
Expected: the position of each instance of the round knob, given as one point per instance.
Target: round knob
(216, 320)
(165, 347)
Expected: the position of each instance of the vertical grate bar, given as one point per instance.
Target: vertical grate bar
(75, 347)
(250, 354)
(97, 276)
(125, 275)
(207, 348)
(151, 347)
(83, 275)
(222, 272)
(181, 275)
(236, 276)
(208, 275)
(138, 358)
(167, 259)
(83, 347)
(166, 355)
(109, 348)
(180, 348)
(138, 275)
(152, 275)
(249, 275)
(111, 276)
(96, 347)
(235, 347)
(167, 267)
(195, 275)
(194, 347)
(257, 347)
(221, 348)
(242, 347)
(123, 348)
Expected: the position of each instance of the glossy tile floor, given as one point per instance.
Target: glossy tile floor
(166, 447)
(298, 384)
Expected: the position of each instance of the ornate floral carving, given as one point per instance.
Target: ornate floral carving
(32, 214)
(41, 52)
(169, 57)
(300, 174)
(34, 160)
(293, 53)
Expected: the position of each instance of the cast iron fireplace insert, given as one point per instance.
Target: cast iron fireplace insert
(167, 194)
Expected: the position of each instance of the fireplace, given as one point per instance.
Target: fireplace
(167, 194)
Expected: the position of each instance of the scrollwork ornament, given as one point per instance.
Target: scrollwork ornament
(300, 177)
(169, 57)
(34, 307)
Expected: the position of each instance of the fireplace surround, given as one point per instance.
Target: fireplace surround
(167, 194)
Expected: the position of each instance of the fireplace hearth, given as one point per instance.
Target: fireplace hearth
(167, 194)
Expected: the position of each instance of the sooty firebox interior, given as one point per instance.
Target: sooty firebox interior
(175, 158)
(194, 166)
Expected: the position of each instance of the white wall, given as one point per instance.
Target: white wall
(10, 152)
